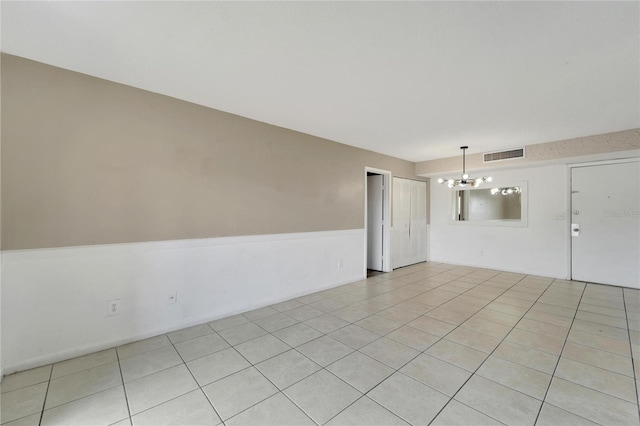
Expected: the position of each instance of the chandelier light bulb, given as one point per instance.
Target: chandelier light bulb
(465, 178)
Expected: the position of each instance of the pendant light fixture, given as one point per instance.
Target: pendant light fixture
(465, 179)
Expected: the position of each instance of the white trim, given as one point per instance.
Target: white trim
(386, 231)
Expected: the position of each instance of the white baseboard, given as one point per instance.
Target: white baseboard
(54, 301)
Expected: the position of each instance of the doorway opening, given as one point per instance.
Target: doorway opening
(377, 221)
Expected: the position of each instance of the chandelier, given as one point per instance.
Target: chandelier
(506, 191)
(465, 179)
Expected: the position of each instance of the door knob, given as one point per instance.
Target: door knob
(575, 230)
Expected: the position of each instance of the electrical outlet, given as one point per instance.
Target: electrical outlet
(113, 307)
(173, 298)
(340, 263)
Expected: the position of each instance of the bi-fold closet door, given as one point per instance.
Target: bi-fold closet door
(409, 215)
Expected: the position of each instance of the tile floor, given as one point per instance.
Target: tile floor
(427, 344)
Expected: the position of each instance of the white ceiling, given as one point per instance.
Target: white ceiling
(410, 79)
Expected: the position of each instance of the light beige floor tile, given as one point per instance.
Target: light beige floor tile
(26, 378)
(304, 313)
(414, 338)
(546, 329)
(486, 327)
(259, 313)
(189, 333)
(32, 420)
(598, 379)
(608, 344)
(201, 346)
(149, 362)
(390, 352)
(473, 339)
(158, 388)
(517, 294)
(22, 402)
(549, 344)
(102, 408)
(618, 313)
(297, 335)
(432, 326)
(527, 356)
(459, 355)
(136, 348)
(600, 329)
(287, 305)
(415, 306)
(310, 298)
(549, 318)
(602, 319)
(287, 368)
(499, 402)
(507, 309)
(452, 317)
(551, 309)
(595, 406)
(497, 317)
(401, 316)
(277, 410)
(366, 412)
(228, 322)
(351, 314)
(326, 323)
(83, 383)
(322, 395)
(409, 399)
(554, 416)
(192, 408)
(378, 324)
(523, 379)
(360, 371)
(217, 365)
(514, 301)
(241, 333)
(238, 392)
(456, 414)
(354, 336)
(441, 376)
(276, 322)
(83, 363)
(607, 360)
(324, 350)
(262, 348)
(328, 305)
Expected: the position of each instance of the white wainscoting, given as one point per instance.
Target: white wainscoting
(54, 301)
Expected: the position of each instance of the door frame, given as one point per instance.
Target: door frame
(386, 208)
(569, 215)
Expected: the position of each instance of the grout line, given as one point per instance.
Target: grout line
(553, 374)
(124, 388)
(633, 362)
(46, 394)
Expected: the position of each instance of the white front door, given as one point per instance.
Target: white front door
(605, 229)
(375, 221)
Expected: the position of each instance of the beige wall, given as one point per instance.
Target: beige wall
(627, 140)
(87, 161)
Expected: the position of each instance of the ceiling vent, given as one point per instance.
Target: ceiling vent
(512, 154)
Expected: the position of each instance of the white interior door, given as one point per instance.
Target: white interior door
(375, 221)
(401, 222)
(418, 228)
(605, 241)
